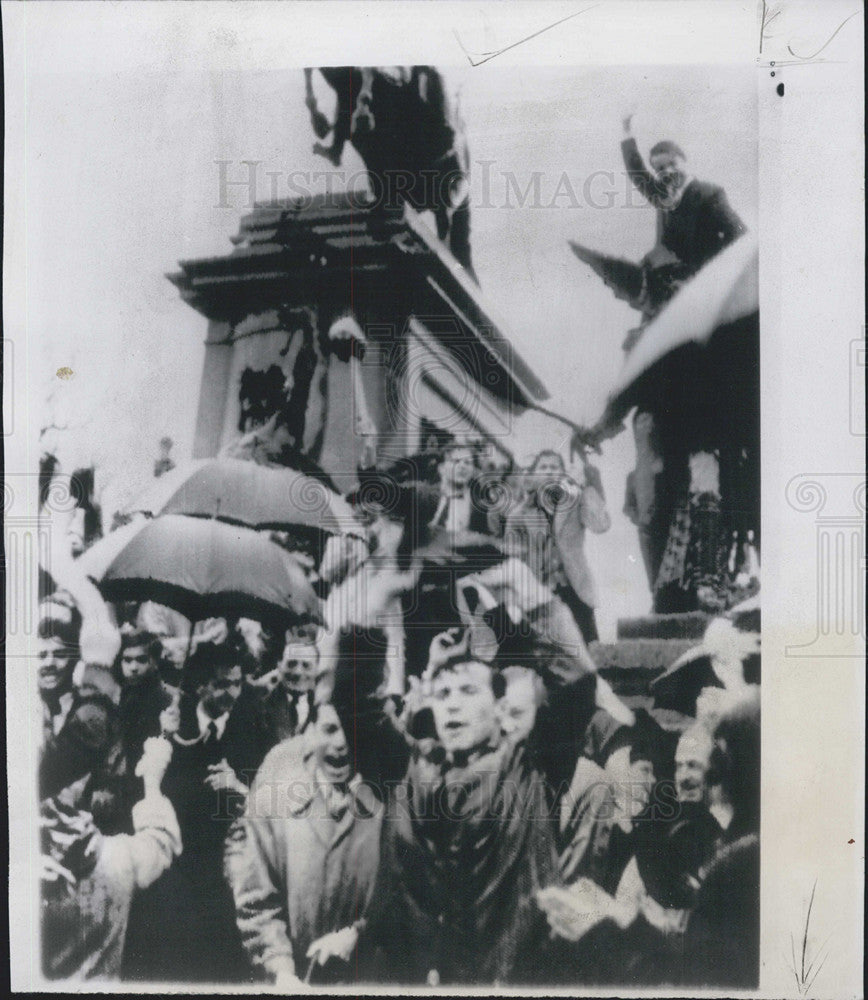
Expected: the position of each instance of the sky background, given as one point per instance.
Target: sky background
(123, 135)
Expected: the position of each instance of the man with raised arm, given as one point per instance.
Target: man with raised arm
(694, 218)
(466, 840)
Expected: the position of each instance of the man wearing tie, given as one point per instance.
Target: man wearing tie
(287, 707)
(456, 510)
(185, 927)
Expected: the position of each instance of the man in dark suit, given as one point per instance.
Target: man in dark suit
(288, 705)
(185, 926)
(694, 223)
(694, 219)
(458, 507)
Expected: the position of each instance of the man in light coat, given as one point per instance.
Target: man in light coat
(548, 533)
(303, 858)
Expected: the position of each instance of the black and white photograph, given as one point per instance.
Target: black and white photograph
(393, 445)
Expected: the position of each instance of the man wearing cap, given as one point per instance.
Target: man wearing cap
(466, 839)
(694, 218)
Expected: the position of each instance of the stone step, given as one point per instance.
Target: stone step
(631, 664)
(647, 657)
(689, 625)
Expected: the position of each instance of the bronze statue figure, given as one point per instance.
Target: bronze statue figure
(408, 135)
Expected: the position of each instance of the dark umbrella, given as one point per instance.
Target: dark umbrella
(247, 493)
(206, 569)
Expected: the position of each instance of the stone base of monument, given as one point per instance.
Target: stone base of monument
(645, 647)
(689, 625)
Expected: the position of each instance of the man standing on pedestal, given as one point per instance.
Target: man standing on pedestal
(694, 223)
(694, 219)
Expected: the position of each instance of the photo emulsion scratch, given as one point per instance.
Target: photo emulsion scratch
(390, 536)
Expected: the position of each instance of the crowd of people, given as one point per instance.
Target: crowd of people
(431, 783)
(244, 804)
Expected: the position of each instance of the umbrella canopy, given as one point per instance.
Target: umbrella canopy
(204, 569)
(247, 493)
(97, 559)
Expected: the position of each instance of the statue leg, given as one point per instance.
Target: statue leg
(363, 118)
(331, 153)
(318, 120)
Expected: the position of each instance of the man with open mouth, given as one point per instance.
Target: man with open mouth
(467, 839)
(302, 859)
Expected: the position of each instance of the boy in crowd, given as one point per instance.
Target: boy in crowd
(144, 696)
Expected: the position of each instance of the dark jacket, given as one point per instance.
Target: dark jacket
(673, 851)
(480, 508)
(281, 717)
(721, 946)
(462, 858)
(139, 710)
(183, 928)
(702, 223)
(464, 848)
(90, 744)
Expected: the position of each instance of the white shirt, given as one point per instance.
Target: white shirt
(458, 514)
